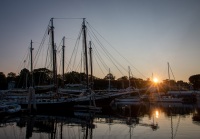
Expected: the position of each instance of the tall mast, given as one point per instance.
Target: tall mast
(85, 47)
(91, 68)
(109, 80)
(129, 76)
(55, 65)
(53, 51)
(31, 50)
(63, 60)
(169, 75)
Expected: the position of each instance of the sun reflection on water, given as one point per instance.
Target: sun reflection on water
(157, 114)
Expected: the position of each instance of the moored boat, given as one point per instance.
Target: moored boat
(7, 108)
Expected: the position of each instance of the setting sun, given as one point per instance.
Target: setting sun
(155, 80)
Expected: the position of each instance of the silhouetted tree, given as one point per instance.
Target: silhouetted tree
(123, 81)
(170, 84)
(140, 83)
(11, 76)
(136, 83)
(74, 77)
(100, 84)
(195, 81)
(42, 76)
(182, 85)
(23, 80)
(125, 78)
(3, 82)
(109, 76)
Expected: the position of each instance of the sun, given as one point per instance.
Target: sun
(155, 80)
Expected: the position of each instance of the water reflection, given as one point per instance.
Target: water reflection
(173, 111)
(118, 121)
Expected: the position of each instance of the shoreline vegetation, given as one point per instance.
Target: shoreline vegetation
(43, 76)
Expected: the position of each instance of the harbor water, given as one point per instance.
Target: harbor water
(117, 121)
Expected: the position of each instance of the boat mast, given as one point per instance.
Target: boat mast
(31, 49)
(53, 51)
(31, 89)
(63, 60)
(91, 80)
(85, 47)
(55, 65)
(169, 75)
(86, 58)
(129, 76)
(109, 80)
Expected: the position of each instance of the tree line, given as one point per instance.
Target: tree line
(43, 76)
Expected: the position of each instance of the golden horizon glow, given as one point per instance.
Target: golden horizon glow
(155, 80)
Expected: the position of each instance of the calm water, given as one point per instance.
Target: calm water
(122, 121)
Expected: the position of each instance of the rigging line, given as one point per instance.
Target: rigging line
(98, 55)
(59, 46)
(47, 54)
(38, 51)
(66, 38)
(21, 79)
(60, 68)
(40, 46)
(68, 18)
(22, 61)
(106, 52)
(76, 49)
(113, 59)
(77, 42)
(66, 63)
(132, 74)
(81, 61)
(29, 61)
(172, 131)
(177, 126)
(27, 56)
(48, 66)
(172, 72)
(73, 77)
(100, 58)
(74, 54)
(134, 80)
(78, 65)
(117, 51)
(105, 49)
(100, 44)
(68, 69)
(99, 65)
(46, 61)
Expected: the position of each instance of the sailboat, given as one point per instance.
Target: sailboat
(44, 101)
(167, 98)
(72, 89)
(92, 105)
(186, 96)
(58, 99)
(84, 93)
(7, 108)
(128, 98)
(55, 99)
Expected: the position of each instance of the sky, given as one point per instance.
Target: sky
(149, 33)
